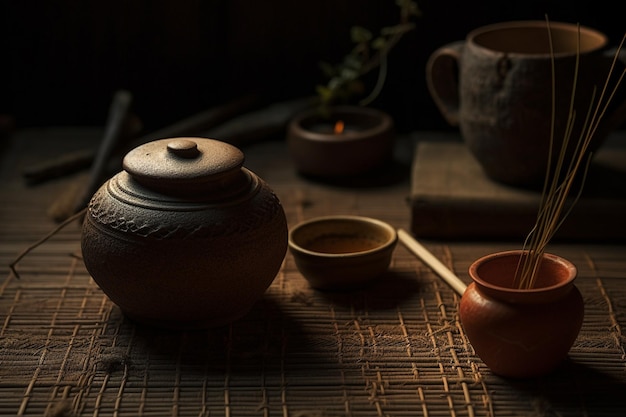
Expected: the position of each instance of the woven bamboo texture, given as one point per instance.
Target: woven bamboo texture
(393, 349)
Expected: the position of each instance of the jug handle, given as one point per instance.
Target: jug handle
(442, 80)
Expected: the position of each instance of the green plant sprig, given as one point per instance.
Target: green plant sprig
(367, 54)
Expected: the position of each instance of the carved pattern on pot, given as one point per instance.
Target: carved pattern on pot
(133, 220)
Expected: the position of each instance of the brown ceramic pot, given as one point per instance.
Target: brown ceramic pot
(521, 333)
(365, 144)
(185, 236)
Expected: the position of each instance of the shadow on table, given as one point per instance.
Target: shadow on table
(258, 337)
(574, 389)
(268, 340)
(260, 343)
(386, 292)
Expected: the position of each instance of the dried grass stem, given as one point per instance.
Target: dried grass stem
(561, 175)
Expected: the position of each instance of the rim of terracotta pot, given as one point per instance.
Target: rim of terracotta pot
(482, 272)
(354, 114)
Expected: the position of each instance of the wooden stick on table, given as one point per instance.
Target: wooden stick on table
(77, 195)
(194, 125)
(429, 259)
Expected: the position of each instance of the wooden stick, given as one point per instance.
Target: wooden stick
(196, 124)
(429, 259)
(260, 124)
(190, 126)
(75, 197)
(58, 166)
(118, 113)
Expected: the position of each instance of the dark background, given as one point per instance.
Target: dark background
(63, 59)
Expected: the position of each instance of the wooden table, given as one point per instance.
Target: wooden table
(396, 348)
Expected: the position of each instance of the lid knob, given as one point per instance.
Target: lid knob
(185, 148)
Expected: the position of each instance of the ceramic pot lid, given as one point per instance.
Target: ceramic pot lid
(184, 165)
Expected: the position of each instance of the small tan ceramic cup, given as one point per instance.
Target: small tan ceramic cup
(342, 252)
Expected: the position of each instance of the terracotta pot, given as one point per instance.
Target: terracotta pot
(185, 236)
(516, 332)
(365, 144)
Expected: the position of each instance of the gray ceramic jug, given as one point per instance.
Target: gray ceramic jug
(497, 87)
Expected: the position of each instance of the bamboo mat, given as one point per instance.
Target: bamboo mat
(393, 349)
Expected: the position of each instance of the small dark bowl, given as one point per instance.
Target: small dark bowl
(342, 252)
(367, 145)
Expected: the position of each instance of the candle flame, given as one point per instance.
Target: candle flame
(339, 126)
